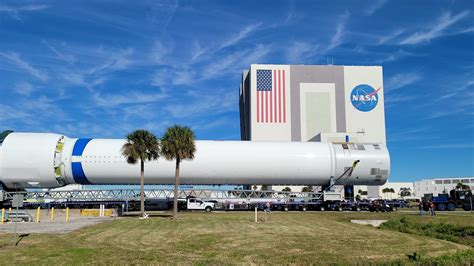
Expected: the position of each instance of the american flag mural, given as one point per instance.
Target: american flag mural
(271, 96)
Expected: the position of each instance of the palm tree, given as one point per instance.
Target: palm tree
(462, 186)
(141, 145)
(178, 144)
(405, 192)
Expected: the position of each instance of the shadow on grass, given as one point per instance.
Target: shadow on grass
(150, 214)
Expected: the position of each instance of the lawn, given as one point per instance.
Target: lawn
(233, 238)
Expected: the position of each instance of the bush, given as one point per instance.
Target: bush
(454, 233)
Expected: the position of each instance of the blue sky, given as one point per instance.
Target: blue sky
(103, 68)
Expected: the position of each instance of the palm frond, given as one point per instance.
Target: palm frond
(141, 145)
(178, 143)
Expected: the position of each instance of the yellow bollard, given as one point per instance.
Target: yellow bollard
(3, 216)
(38, 215)
(67, 214)
(52, 214)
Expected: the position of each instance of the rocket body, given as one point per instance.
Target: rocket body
(43, 160)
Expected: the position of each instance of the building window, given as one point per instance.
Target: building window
(360, 147)
(446, 181)
(438, 181)
(465, 180)
(377, 147)
(345, 146)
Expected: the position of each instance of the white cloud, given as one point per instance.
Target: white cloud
(14, 11)
(216, 123)
(116, 60)
(386, 38)
(376, 5)
(219, 101)
(394, 56)
(160, 51)
(19, 63)
(449, 146)
(436, 30)
(391, 100)
(196, 51)
(235, 61)
(24, 88)
(33, 112)
(299, 52)
(132, 97)
(407, 134)
(244, 32)
(401, 80)
(339, 36)
(162, 12)
(173, 76)
(11, 113)
(66, 57)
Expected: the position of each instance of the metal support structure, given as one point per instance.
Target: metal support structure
(134, 194)
(347, 173)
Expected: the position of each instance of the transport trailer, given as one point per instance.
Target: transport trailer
(449, 202)
(314, 205)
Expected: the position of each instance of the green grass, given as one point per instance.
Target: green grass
(441, 230)
(233, 238)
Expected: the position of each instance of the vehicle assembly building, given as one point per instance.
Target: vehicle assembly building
(312, 103)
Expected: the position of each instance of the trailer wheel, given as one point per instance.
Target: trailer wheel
(357, 209)
(451, 206)
(459, 204)
(208, 209)
(339, 208)
(322, 208)
(286, 209)
(303, 209)
(441, 206)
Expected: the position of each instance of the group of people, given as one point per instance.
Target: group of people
(431, 207)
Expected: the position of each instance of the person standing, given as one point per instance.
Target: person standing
(267, 206)
(420, 207)
(432, 208)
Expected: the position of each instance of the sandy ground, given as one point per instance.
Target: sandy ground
(374, 223)
(58, 225)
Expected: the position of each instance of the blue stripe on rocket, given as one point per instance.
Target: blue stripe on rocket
(77, 171)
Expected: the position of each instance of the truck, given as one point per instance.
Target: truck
(196, 204)
(455, 199)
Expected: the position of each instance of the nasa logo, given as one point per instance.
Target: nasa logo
(364, 98)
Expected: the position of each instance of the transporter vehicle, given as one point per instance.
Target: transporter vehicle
(455, 199)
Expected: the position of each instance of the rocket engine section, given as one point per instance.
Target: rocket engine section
(40, 160)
